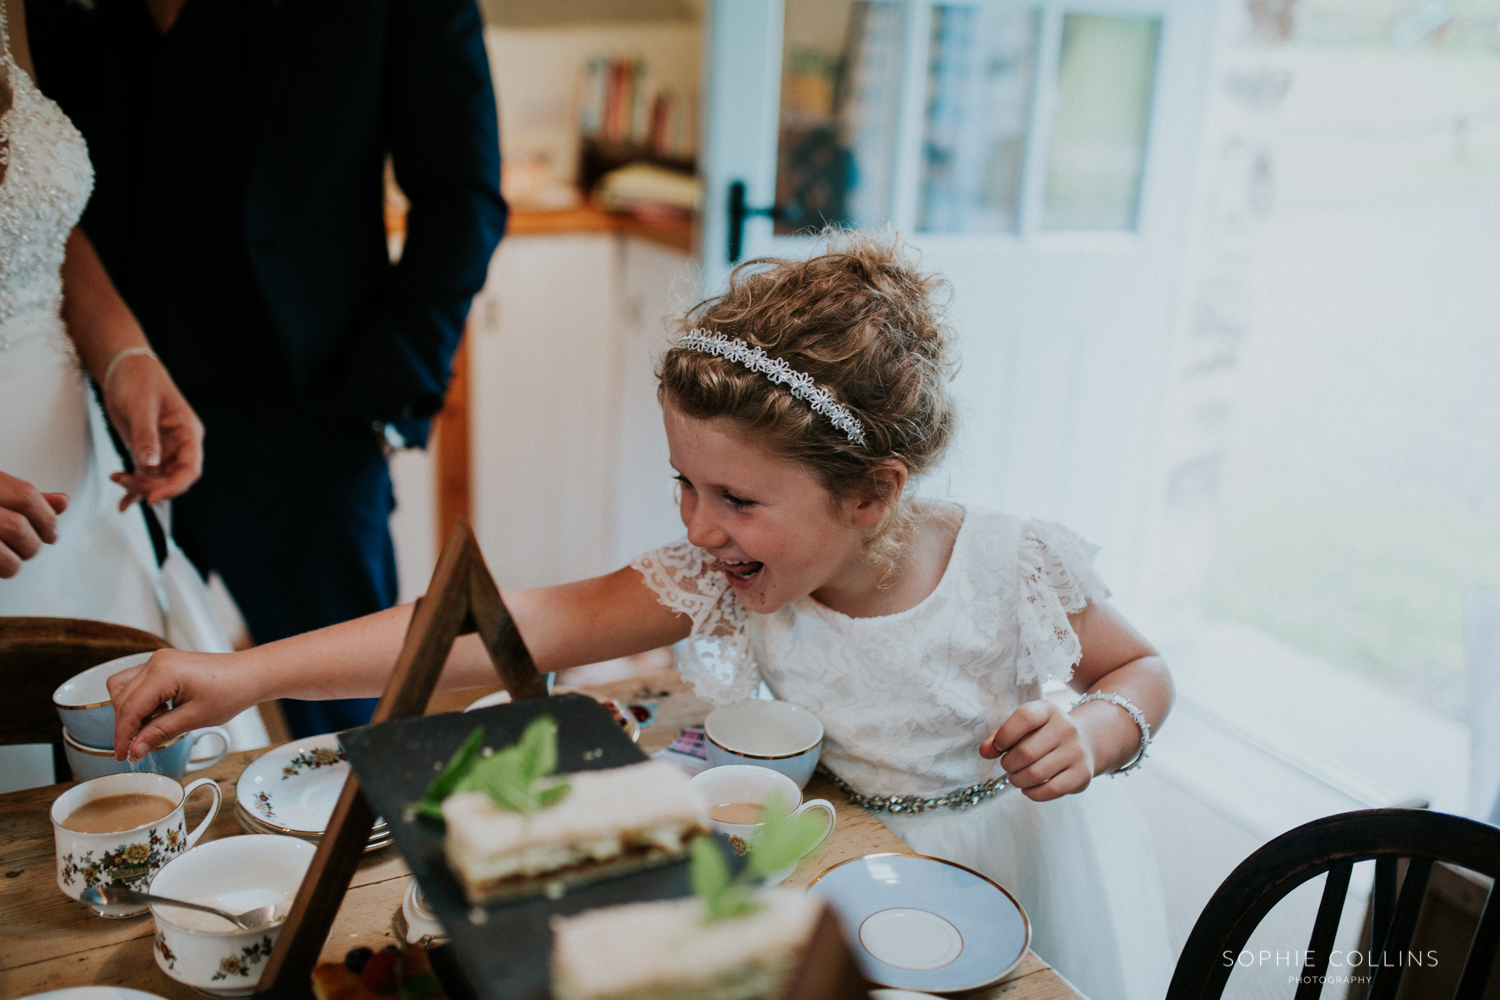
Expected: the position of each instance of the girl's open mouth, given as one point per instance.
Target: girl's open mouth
(742, 575)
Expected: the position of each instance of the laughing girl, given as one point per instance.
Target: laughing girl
(801, 407)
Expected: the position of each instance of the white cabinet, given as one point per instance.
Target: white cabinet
(568, 460)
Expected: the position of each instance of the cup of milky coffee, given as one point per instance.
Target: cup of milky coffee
(739, 794)
(122, 828)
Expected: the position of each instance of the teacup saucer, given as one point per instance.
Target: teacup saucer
(294, 787)
(920, 923)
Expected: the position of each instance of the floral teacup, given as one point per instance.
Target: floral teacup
(233, 874)
(132, 857)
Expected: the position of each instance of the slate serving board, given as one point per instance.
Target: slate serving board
(506, 956)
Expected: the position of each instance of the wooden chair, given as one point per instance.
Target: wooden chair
(37, 655)
(1333, 845)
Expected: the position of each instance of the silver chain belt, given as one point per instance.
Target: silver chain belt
(959, 798)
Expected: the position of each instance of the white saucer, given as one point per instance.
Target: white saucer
(93, 993)
(919, 923)
(294, 787)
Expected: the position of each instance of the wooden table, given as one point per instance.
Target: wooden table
(48, 941)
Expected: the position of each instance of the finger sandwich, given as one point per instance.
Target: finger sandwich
(667, 951)
(609, 821)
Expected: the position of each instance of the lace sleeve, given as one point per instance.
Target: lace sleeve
(716, 658)
(1056, 579)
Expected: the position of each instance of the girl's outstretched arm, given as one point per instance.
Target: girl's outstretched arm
(563, 626)
(1047, 752)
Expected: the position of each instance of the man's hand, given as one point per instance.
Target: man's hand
(164, 435)
(28, 520)
(204, 689)
(1043, 751)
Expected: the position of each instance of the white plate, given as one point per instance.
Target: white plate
(294, 787)
(93, 993)
(379, 837)
(380, 829)
(919, 923)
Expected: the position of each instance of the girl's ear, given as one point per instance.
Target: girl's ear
(883, 488)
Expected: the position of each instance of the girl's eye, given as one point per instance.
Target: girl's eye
(681, 479)
(739, 503)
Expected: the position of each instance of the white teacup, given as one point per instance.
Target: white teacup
(233, 874)
(130, 857)
(772, 734)
(83, 703)
(172, 758)
(746, 784)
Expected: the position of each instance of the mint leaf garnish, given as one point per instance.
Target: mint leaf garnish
(513, 778)
(782, 841)
(446, 783)
(709, 875)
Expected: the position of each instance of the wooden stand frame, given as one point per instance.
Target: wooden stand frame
(461, 598)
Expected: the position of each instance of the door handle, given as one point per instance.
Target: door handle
(740, 210)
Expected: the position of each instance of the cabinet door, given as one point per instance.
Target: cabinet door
(1040, 155)
(657, 283)
(544, 396)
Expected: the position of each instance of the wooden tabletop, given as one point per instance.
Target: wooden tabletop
(48, 941)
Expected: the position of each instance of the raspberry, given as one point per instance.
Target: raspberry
(379, 973)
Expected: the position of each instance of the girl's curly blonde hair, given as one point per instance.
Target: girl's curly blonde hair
(868, 327)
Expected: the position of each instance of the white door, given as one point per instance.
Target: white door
(1040, 155)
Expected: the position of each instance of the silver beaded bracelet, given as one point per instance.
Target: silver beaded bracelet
(129, 352)
(1136, 716)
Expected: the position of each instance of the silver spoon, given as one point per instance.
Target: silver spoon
(109, 897)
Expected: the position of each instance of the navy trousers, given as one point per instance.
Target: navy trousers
(293, 511)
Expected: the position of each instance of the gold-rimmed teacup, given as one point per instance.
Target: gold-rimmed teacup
(774, 734)
(129, 857)
(173, 758)
(83, 702)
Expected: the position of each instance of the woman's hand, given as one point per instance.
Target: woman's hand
(164, 435)
(1044, 752)
(205, 689)
(28, 520)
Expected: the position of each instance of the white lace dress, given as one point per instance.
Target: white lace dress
(51, 432)
(905, 701)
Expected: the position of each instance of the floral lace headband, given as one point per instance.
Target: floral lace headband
(800, 384)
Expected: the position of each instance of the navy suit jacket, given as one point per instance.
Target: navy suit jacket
(338, 85)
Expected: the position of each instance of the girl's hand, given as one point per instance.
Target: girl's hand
(1043, 751)
(202, 692)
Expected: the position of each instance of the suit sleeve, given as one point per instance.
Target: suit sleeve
(445, 147)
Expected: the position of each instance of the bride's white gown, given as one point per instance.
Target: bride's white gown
(51, 432)
(905, 701)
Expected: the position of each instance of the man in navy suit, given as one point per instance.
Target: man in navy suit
(239, 148)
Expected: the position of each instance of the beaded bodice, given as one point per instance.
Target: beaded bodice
(45, 186)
